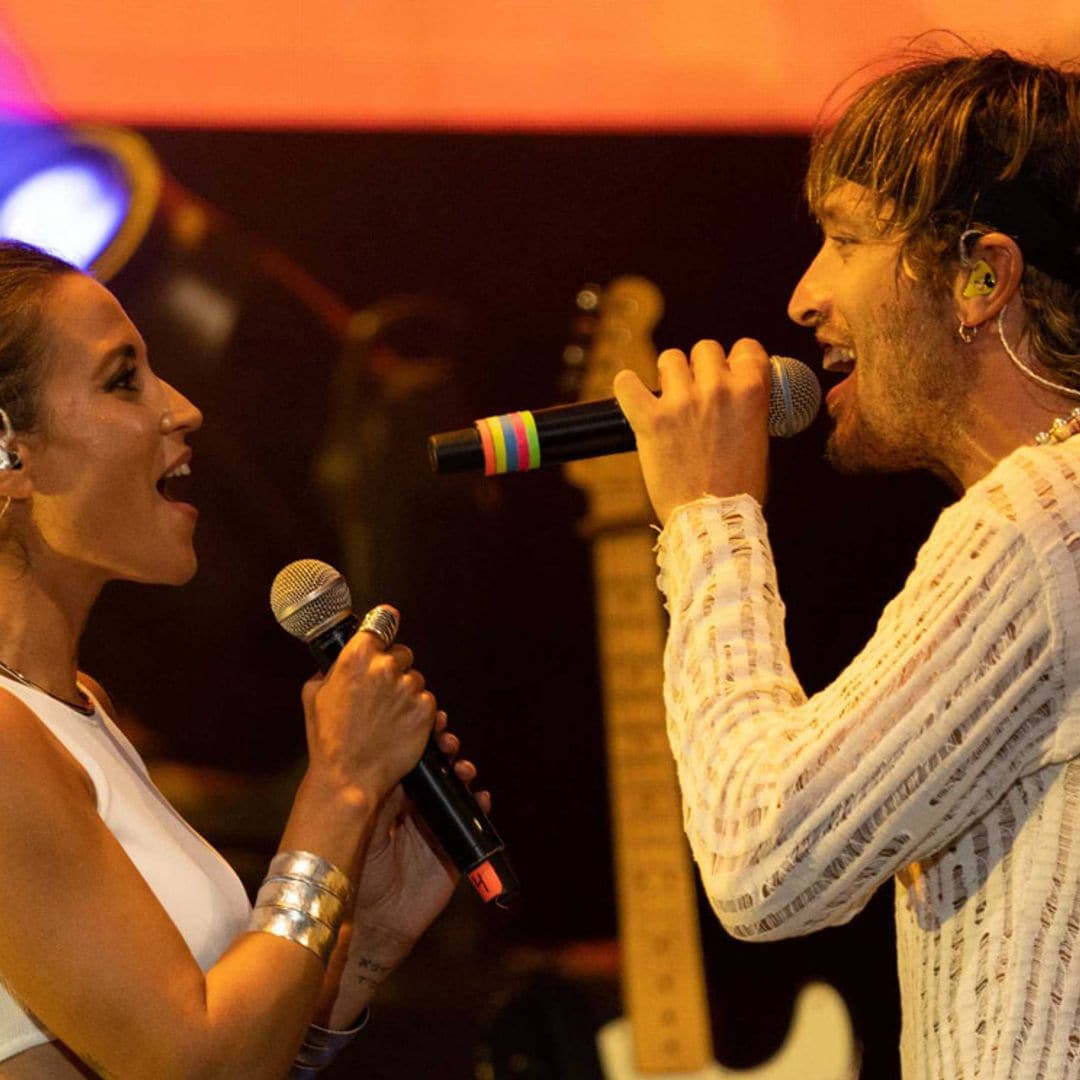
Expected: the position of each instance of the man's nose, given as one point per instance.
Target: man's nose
(809, 301)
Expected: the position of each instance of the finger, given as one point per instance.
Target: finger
(402, 655)
(749, 361)
(414, 681)
(465, 770)
(483, 800)
(382, 622)
(709, 363)
(676, 379)
(448, 743)
(363, 646)
(428, 707)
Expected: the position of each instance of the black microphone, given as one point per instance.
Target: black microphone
(311, 601)
(515, 442)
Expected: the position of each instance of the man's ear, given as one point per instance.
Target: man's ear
(989, 279)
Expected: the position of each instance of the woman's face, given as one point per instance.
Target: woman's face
(109, 432)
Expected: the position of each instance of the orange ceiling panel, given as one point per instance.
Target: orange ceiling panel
(474, 64)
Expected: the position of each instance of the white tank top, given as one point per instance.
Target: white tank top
(198, 889)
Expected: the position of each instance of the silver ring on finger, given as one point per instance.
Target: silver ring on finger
(383, 623)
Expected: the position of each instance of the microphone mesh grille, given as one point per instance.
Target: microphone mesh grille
(306, 595)
(795, 397)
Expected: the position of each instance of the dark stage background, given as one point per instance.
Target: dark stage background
(492, 577)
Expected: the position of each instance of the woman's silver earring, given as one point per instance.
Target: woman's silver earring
(966, 333)
(9, 459)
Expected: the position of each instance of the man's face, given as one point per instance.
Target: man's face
(906, 382)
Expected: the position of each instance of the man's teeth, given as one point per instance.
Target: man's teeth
(840, 359)
(180, 470)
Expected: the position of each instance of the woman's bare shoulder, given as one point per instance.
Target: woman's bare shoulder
(34, 764)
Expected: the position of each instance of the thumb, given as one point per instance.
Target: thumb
(635, 399)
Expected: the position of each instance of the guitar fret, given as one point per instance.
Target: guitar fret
(637, 716)
(642, 663)
(637, 706)
(638, 737)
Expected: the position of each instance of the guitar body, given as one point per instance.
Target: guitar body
(819, 1045)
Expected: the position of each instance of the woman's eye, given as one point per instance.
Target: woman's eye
(123, 380)
(841, 241)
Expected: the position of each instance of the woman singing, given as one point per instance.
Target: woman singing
(128, 947)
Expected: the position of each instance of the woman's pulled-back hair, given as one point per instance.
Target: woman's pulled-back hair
(980, 141)
(26, 276)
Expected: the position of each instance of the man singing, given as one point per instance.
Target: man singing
(947, 754)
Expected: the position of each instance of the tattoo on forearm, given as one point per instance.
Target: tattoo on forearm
(370, 971)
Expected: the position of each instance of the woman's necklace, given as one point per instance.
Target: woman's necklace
(83, 706)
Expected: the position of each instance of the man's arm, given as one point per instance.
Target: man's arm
(797, 810)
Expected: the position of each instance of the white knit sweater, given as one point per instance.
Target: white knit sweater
(945, 754)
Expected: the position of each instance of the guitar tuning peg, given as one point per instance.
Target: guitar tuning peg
(588, 298)
(568, 385)
(574, 356)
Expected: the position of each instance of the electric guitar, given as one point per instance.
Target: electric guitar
(666, 1030)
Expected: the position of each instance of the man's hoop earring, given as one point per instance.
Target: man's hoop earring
(9, 459)
(966, 333)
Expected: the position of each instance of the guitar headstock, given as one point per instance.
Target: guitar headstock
(625, 315)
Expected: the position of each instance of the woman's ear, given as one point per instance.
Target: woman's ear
(15, 480)
(988, 278)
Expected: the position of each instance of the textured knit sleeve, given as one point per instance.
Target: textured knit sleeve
(797, 809)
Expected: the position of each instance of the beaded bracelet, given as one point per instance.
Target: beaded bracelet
(303, 899)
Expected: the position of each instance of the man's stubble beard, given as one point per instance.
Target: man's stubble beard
(929, 379)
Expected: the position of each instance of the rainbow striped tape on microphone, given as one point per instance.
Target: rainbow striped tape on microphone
(510, 443)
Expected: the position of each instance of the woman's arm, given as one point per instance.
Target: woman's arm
(88, 949)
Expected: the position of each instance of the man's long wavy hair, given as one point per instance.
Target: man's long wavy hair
(928, 136)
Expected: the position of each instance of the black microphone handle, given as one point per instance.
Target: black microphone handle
(445, 803)
(568, 433)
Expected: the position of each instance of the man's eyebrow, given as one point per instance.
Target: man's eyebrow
(866, 227)
(832, 215)
(127, 351)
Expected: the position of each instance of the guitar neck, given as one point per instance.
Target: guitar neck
(662, 972)
(663, 978)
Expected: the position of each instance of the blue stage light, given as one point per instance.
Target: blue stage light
(73, 210)
(85, 194)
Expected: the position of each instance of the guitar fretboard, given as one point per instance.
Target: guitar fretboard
(663, 980)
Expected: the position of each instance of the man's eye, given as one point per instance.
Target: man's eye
(841, 241)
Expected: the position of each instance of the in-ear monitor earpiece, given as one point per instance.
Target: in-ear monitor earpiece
(981, 280)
